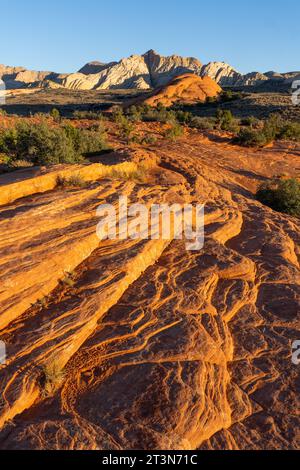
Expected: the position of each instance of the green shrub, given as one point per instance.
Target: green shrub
(251, 138)
(183, 117)
(55, 114)
(134, 113)
(282, 196)
(3, 112)
(228, 95)
(118, 114)
(211, 99)
(42, 144)
(126, 127)
(203, 124)
(225, 120)
(91, 115)
(38, 143)
(174, 132)
(147, 113)
(250, 121)
(149, 140)
(159, 115)
(290, 131)
(86, 141)
(274, 128)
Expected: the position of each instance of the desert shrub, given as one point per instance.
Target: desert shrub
(203, 124)
(126, 127)
(139, 175)
(4, 159)
(134, 113)
(175, 131)
(149, 140)
(250, 121)
(290, 131)
(90, 115)
(18, 164)
(211, 99)
(52, 379)
(183, 117)
(68, 280)
(147, 113)
(118, 114)
(251, 138)
(86, 141)
(274, 128)
(228, 95)
(43, 144)
(159, 114)
(38, 143)
(55, 114)
(74, 181)
(281, 195)
(225, 120)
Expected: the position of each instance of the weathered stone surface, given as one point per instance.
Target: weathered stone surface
(150, 70)
(186, 89)
(162, 348)
(222, 73)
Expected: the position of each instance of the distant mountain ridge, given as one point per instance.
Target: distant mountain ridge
(150, 70)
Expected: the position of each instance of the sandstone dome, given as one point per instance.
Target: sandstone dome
(185, 89)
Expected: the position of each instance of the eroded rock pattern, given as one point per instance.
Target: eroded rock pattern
(162, 348)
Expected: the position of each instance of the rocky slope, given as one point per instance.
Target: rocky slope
(150, 70)
(161, 348)
(222, 73)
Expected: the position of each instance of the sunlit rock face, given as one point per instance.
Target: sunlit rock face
(161, 348)
(185, 89)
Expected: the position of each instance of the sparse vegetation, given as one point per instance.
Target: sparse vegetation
(274, 128)
(149, 140)
(203, 124)
(134, 113)
(138, 176)
(174, 132)
(68, 280)
(290, 131)
(55, 114)
(225, 121)
(147, 113)
(52, 379)
(90, 115)
(281, 195)
(20, 164)
(42, 144)
(228, 95)
(250, 121)
(250, 138)
(74, 181)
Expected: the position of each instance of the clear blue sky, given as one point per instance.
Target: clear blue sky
(63, 35)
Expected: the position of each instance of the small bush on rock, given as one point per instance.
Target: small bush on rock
(281, 195)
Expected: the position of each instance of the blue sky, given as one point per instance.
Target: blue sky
(63, 35)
